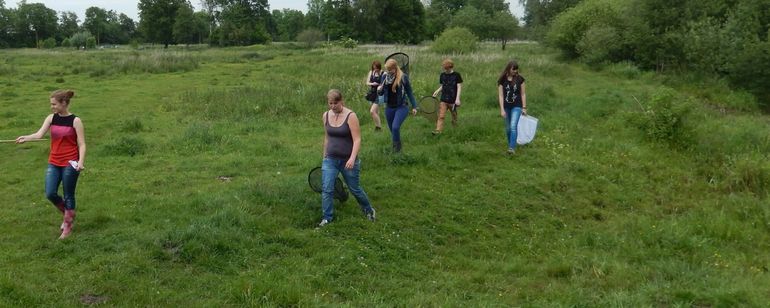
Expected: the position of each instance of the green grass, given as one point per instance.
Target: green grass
(594, 212)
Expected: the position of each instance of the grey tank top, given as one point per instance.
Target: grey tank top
(340, 142)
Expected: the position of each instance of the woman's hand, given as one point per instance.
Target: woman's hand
(524, 111)
(457, 102)
(502, 113)
(350, 163)
(414, 111)
(21, 139)
(436, 93)
(80, 166)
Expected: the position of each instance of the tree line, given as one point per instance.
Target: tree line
(726, 39)
(245, 22)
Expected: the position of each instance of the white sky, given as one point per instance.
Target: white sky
(129, 7)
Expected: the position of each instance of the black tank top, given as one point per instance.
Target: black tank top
(374, 78)
(340, 142)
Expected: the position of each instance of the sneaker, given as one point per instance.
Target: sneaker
(511, 151)
(377, 128)
(323, 222)
(436, 132)
(371, 215)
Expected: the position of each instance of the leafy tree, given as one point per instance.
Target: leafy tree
(96, 22)
(339, 18)
(34, 21)
(6, 25)
(288, 23)
(367, 19)
(437, 17)
(80, 39)
(243, 22)
(127, 28)
(184, 25)
(402, 21)
(474, 20)
(201, 24)
(68, 25)
(504, 27)
(156, 19)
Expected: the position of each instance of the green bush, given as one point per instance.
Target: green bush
(599, 44)
(48, 43)
(80, 39)
(91, 43)
(663, 118)
(347, 42)
(601, 17)
(66, 43)
(455, 40)
(310, 37)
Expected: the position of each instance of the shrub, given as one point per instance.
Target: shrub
(663, 118)
(571, 26)
(48, 43)
(91, 42)
(347, 42)
(80, 39)
(599, 44)
(66, 43)
(310, 37)
(455, 40)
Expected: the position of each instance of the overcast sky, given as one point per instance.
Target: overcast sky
(128, 7)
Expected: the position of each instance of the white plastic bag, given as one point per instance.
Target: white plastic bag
(526, 129)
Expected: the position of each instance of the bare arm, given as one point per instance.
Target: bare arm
(326, 137)
(459, 90)
(523, 98)
(81, 143)
(40, 132)
(500, 99)
(435, 93)
(355, 132)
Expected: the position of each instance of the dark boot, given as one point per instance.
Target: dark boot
(69, 219)
(61, 209)
(396, 146)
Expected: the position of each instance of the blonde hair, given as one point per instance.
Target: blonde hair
(390, 64)
(335, 95)
(63, 96)
(447, 64)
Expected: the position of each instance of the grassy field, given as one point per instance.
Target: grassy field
(639, 190)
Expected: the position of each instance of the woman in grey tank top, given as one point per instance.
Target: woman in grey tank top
(342, 141)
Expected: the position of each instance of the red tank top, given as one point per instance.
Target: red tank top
(64, 141)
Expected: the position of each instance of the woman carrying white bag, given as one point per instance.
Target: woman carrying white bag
(512, 97)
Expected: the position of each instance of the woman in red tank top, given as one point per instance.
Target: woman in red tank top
(68, 152)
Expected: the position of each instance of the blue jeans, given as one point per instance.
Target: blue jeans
(396, 116)
(68, 177)
(512, 116)
(329, 170)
